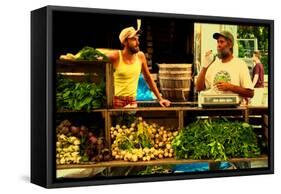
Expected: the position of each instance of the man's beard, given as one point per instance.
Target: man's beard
(223, 53)
(134, 50)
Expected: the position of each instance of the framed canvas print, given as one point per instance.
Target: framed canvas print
(125, 96)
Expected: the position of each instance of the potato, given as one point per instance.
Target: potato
(76, 142)
(134, 158)
(62, 161)
(168, 146)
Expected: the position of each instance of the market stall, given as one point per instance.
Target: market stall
(95, 126)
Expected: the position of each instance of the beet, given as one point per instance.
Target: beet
(90, 134)
(74, 130)
(93, 139)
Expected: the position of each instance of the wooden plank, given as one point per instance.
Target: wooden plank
(77, 111)
(177, 109)
(258, 110)
(97, 67)
(118, 163)
(255, 120)
(158, 114)
(82, 77)
(97, 63)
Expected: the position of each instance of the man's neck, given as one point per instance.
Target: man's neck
(128, 55)
(227, 59)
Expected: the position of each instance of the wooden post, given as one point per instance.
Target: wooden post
(246, 115)
(109, 85)
(106, 128)
(181, 119)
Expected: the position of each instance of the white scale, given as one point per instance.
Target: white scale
(214, 99)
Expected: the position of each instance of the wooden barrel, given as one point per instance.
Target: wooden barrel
(175, 81)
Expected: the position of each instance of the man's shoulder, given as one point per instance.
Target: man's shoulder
(140, 54)
(114, 55)
(239, 61)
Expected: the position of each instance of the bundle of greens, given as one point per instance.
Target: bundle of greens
(141, 141)
(218, 140)
(79, 96)
(90, 54)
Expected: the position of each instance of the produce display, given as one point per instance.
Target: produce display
(141, 141)
(76, 144)
(87, 53)
(217, 139)
(77, 96)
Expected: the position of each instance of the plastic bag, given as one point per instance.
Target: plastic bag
(143, 92)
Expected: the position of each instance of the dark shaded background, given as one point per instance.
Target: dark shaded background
(171, 39)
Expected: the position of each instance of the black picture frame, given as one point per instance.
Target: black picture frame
(43, 137)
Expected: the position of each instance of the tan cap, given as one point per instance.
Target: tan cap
(224, 34)
(129, 32)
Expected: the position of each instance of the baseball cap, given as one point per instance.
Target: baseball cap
(225, 34)
(127, 33)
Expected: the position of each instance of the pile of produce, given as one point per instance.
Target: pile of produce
(79, 96)
(68, 150)
(218, 140)
(87, 53)
(76, 144)
(141, 141)
(67, 145)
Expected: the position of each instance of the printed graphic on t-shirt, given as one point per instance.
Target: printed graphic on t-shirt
(222, 76)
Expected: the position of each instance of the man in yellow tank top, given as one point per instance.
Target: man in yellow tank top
(128, 64)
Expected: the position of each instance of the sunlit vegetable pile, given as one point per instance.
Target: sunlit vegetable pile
(86, 53)
(141, 141)
(218, 140)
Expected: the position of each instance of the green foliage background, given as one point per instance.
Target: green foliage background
(259, 32)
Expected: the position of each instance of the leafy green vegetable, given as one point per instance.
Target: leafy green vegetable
(218, 140)
(90, 54)
(79, 96)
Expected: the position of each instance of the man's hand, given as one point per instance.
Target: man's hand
(223, 86)
(208, 59)
(164, 103)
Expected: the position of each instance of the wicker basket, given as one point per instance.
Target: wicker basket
(175, 94)
(175, 80)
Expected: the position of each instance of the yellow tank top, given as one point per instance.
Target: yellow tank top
(126, 77)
